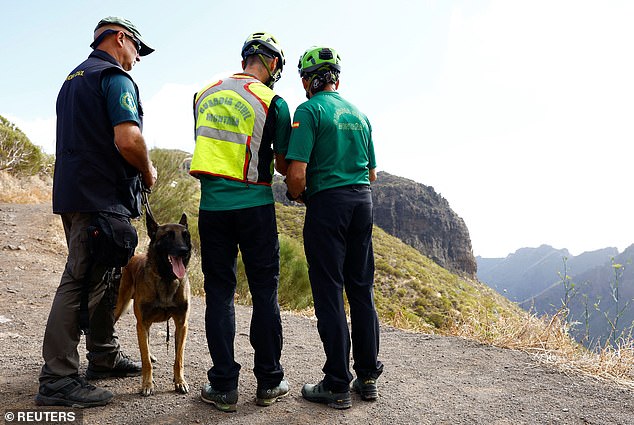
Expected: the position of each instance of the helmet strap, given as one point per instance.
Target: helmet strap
(273, 76)
(309, 86)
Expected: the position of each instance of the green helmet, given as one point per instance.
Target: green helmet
(263, 43)
(319, 58)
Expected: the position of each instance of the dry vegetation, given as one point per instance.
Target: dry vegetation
(489, 323)
(547, 338)
(24, 190)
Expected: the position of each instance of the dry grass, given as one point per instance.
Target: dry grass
(548, 340)
(24, 190)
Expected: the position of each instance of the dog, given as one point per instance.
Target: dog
(158, 283)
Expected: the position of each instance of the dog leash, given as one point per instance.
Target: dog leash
(146, 203)
(145, 192)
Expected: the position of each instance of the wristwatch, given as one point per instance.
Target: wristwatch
(299, 197)
(290, 197)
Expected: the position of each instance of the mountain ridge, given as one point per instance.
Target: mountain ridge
(545, 280)
(528, 271)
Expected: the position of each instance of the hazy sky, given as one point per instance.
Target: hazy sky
(519, 113)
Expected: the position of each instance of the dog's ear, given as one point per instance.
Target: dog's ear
(151, 226)
(183, 220)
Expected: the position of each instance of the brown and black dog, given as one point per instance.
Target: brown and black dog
(157, 281)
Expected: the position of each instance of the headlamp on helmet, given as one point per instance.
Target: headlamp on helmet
(319, 59)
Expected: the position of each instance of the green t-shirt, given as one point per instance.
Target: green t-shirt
(335, 139)
(121, 99)
(220, 194)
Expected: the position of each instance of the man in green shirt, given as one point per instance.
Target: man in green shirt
(241, 124)
(332, 165)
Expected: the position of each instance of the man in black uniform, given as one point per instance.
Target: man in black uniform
(101, 160)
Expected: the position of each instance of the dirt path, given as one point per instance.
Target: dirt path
(427, 380)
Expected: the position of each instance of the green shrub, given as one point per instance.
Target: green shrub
(175, 191)
(294, 291)
(20, 157)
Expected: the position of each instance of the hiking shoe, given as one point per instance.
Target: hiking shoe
(366, 388)
(223, 401)
(318, 394)
(271, 395)
(73, 392)
(123, 368)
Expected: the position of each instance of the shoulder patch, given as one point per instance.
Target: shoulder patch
(127, 102)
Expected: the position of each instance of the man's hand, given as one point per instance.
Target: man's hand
(150, 179)
(281, 164)
(296, 179)
(372, 174)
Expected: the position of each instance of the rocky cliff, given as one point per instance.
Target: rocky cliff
(420, 217)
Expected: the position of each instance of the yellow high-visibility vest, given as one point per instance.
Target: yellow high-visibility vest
(230, 116)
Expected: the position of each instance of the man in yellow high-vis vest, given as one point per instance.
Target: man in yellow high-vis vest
(242, 130)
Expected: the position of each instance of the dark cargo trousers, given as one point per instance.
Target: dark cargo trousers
(254, 231)
(338, 246)
(62, 335)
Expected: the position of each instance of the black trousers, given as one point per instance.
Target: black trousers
(254, 232)
(338, 246)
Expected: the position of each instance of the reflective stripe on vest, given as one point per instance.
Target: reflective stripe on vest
(230, 117)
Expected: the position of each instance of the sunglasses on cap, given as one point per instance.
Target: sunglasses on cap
(106, 33)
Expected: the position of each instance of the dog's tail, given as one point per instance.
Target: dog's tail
(126, 293)
(124, 309)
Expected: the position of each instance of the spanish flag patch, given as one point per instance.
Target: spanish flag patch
(295, 124)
